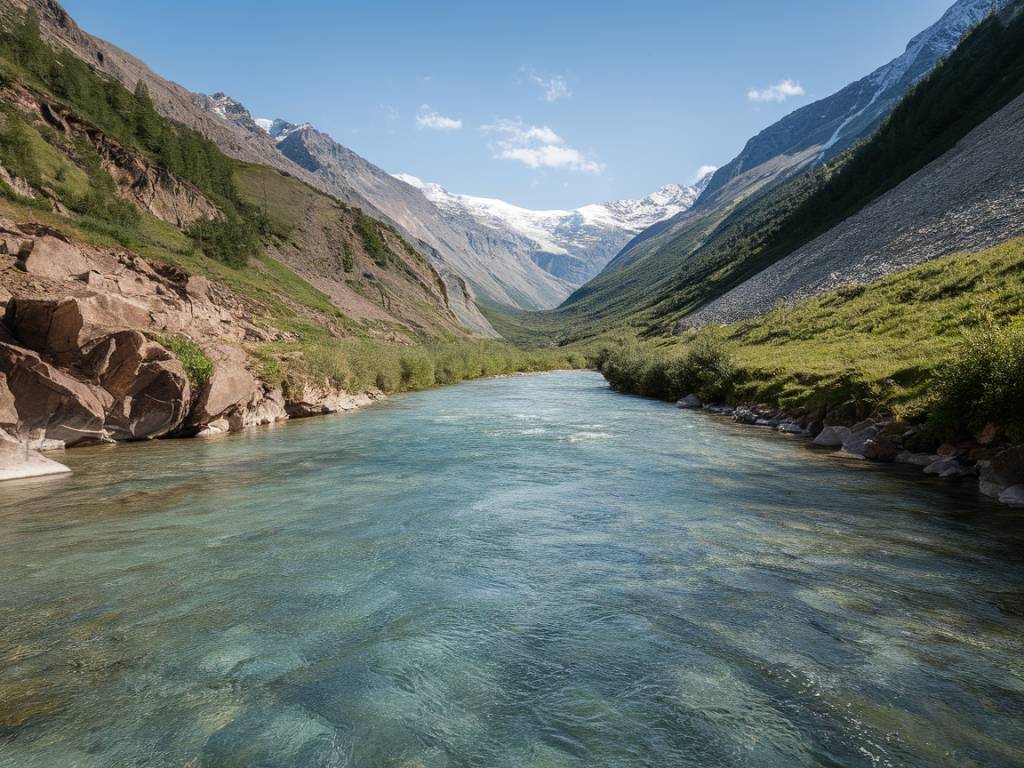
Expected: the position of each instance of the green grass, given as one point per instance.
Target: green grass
(361, 364)
(198, 366)
(892, 345)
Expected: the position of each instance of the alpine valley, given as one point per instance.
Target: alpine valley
(797, 544)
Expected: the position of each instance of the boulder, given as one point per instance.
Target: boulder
(862, 425)
(233, 399)
(198, 288)
(150, 389)
(690, 402)
(745, 416)
(881, 448)
(50, 401)
(61, 326)
(51, 257)
(1013, 496)
(855, 444)
(18, 462)
(1002, 471)
(832, 437)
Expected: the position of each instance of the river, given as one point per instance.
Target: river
(526, 571)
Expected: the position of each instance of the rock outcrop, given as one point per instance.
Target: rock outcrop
(149, 387)
(52, 402)
(81, 358)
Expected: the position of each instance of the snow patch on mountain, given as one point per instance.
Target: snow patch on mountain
(565, 231)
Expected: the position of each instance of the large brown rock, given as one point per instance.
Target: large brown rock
(49, 256)
(61, 326)
(149, 387)
(50, 401)
(231, 387)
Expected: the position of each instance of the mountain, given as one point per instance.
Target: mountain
(572, 245)
(921, 185)
(822, 130)
(227, 124)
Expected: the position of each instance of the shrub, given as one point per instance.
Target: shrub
(705, 368)
(197, 365)
(982, 383)
(230, 240)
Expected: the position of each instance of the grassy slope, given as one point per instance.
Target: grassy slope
(886, 344)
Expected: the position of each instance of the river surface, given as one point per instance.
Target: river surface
(528, 571)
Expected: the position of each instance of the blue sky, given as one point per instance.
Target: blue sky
(546, 105)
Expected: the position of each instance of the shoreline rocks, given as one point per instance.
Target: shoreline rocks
(999, 469)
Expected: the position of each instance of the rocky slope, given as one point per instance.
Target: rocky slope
(572, 245)
(971, 198)
(86, 350)
(224, 122)
(831, 125)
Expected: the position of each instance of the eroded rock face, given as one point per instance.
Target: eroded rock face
(62, 326)
(149, 387)
(50, 401)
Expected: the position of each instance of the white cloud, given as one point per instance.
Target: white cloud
(537, 147)
(776, 93)
(430, 120)
(703, 171)
(553, 88)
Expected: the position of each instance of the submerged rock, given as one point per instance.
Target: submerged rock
(690, 402)
(18, 461)
(948, 468)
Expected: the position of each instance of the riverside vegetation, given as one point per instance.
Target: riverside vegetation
(941, 344)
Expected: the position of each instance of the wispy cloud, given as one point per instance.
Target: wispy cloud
(552, 88)
(428, 119)
(537, 147)
(776, 93)
(703, 171)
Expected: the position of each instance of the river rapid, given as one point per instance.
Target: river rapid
(526, 571)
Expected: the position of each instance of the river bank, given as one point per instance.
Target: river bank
(997, 470)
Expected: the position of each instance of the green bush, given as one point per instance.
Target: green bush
(373, 242)
(231, 240)
(984, 382)
(704, 368)
(197, 365)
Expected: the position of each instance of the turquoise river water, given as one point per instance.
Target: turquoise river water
(528, 571)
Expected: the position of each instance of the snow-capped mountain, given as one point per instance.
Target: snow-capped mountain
(820, 131)
(573, 245)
